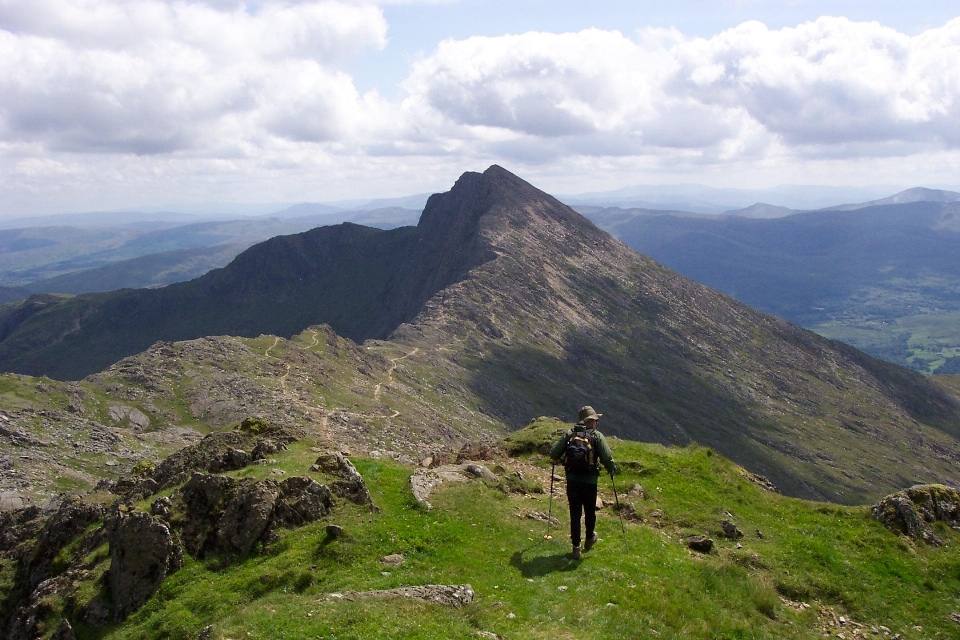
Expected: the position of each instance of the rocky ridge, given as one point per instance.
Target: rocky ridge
(68, 436)
(208, 515)
(503, 304)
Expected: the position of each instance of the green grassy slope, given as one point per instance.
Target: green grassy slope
(814, 563)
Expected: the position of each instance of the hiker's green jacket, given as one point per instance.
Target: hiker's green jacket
(603, 453)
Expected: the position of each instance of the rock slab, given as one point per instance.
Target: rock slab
(143, 552)
(911, 512)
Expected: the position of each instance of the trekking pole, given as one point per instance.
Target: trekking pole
(550, 508)
(619, 512)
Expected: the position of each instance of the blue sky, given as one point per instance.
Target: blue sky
(110, 104)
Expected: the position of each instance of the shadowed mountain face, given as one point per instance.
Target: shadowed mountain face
(349, 276)
(516, 305)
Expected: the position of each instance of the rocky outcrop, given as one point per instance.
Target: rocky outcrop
(221, 515)
(473, 451)
(480, 471)
(351, 485)
(25, 624)
(143, 552)
(69, 521)
(424, 481)
(134, 487)
(730, 530)
(225, 451)
(911, 512)
(16, 527)
(129, 416)
(700, 544)
(34, 542)
(64, 632)
(210, 515)
(302, 500)
(759, 480)
(247, 517)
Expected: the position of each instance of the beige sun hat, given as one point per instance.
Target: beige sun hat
(587, 413)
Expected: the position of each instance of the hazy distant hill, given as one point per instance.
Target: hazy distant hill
(72, 260)
(703, 199)
(917, 194)
(508, 303)
(883, 277)
(102, 219)
(152, 270)
(762, 210)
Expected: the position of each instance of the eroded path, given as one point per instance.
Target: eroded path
(283, 378)
(393, 367)
(318, 416)
(290, 396)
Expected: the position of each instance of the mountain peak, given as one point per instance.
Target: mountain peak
(497, 193)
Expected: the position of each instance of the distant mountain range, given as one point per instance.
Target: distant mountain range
(507, 303)
(917, 194)
(883, 276)
(83, 260)
(703, 199)
(194, 213)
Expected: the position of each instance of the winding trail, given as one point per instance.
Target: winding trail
(321, 417)
(283, 378)
(318, 415)
(393, 366)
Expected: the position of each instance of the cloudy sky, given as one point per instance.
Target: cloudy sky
(109, 104)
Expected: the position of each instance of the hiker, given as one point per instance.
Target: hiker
(582, 450)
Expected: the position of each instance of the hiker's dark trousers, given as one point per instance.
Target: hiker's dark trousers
(582, 497)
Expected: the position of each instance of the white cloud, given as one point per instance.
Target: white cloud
(221, 99)
(148, 77)
(831, 85)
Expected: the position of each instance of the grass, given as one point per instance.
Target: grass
(641, 581)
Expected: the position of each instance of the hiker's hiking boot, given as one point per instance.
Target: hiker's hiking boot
(592, 540)
(576, 552)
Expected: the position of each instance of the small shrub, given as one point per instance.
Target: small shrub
(143, 467)
(253, 426)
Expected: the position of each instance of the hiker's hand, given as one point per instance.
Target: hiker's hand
(614, 469)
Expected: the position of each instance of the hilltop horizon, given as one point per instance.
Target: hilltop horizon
(506, 299)
(695, 197)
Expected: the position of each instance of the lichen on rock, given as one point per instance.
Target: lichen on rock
(911, 512)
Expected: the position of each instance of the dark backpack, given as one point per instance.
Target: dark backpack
(580, 452)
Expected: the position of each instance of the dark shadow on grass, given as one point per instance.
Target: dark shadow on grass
(533, 566)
